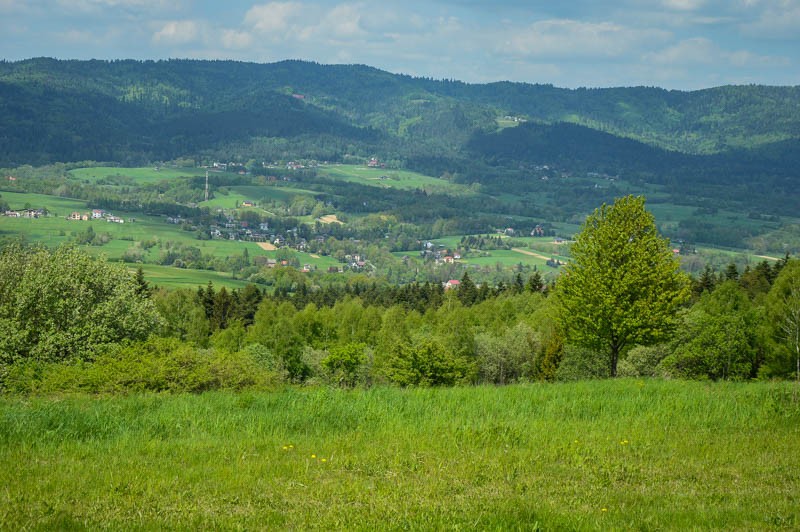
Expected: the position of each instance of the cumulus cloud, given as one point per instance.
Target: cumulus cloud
(344, 21)
(274, 17)
(100, 6)
(778, 20)
(684, 5)
(236, 40)
(573, 38)
(178, 32)
(702, 51)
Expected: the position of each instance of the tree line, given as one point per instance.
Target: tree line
(621, 308)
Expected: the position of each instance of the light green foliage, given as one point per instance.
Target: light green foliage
(344, 362)
(623, 286)
(783, 320)
(65, 305)
(642, 361)
(425, 363)
(274, 329)
(155, 365)
(508, 358)
(183, 317)
(718, 339)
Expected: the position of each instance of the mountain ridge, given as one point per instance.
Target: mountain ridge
(127, 110)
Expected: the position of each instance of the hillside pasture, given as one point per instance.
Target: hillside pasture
(604, 455)
(139, 176)
(170, 277)
(386, 178)
(57, 205)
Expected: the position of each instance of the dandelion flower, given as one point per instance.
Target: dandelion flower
(313, 456)
(285, 448)
(324, 459)
(604, 510)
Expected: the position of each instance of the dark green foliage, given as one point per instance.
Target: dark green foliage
(135, 112)
(580, 363)
(467, 291)
(783, 323)
(718, 339)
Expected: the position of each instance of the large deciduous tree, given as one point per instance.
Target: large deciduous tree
(623, 286)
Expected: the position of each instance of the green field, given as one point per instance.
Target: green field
(610, 455)
(386, 178)
(170, 277)
(138, 175)
(56, 205)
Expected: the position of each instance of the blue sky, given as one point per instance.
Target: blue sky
(676, 44)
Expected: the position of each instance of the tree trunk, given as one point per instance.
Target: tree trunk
(614, 359)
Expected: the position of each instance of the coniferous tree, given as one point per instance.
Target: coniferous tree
(467, 291)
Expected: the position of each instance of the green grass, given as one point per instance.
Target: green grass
(170, 277)
(615, 455)
(55, 204)
(138, 175)
(401, 179)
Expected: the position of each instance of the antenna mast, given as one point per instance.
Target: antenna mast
(206, 185)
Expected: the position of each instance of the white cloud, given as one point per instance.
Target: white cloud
(684, 5)
(702, 51)
(695, 50)
(99, 7)
(572, 38)
(779, 20)
(274, 17)
(344, 21)
(236, 40)
(178, 32)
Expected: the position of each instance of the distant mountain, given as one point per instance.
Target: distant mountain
(136, 111)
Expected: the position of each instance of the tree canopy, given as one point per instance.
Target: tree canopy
(624, 286)
(64, 305)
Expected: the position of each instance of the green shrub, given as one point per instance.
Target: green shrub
(642, 361)
(581, 363)
(157, 365)
(344, 363)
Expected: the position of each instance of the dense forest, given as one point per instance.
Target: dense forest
(135, 112)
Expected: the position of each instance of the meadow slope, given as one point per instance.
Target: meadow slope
(618, 454)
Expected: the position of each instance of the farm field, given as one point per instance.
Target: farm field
(619, 454)
(137, 175)
(401, 179)
(170, 277)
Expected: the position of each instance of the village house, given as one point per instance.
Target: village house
(452, 284)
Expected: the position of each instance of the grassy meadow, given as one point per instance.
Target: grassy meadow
(136, 175)
(617, 454)
(387, 178)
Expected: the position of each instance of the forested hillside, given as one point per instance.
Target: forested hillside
(128, 110)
